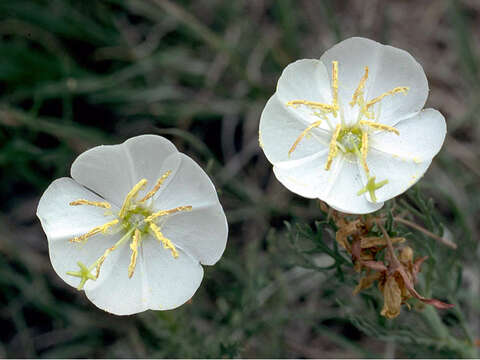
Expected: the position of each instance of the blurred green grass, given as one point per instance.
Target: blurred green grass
(78, 74)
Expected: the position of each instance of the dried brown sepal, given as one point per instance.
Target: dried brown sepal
(376, 241)
(409, 285)
(366, 282)
(392, 298)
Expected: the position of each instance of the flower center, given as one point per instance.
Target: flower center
(135, 219)
(350, 139)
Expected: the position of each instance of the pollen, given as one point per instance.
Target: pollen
(312, 104)
(130, 196)
(380, 126)
(96, 230)
(134, 247)
(397, 90)
(360, 87)
(157, 186)
(302, 135)
(101, 204)
(168, 212)
(333, 147)
(364, 151)
(167, 244)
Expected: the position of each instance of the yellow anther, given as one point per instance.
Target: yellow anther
(302, 135)
(400, 89)
(335, 86)
(167, 212)
(102, 259)
(133, 258)
(102, 228)
(312, 104)
(364, 150)
(378, 126)
(157, 186)
(333, 147)
(103, 204)
(167, 244)
(360, 88)
(130, 196)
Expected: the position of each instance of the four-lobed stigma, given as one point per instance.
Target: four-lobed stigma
(135, 220)
(351, 139)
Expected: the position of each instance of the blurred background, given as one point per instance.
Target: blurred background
(76, 74)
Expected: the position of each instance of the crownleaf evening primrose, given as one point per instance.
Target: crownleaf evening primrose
(349, 128)
(133, 225)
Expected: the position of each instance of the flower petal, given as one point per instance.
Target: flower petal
(112, 170)
(404, 159)
(305, 79)
(280, 128)
(337, 186)
(343, 194)
(60, 221)
(389, 68)
(202, 233)
(421, 137)
(159, 282)
(170, 282)
(188, 184)
(114, 291)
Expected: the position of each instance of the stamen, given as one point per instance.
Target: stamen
(302, 135)
(98, 264)
(103, 204)
(378, 126)
(167, 244)
(335, 86)
(168, 212)
(312, 104)
(364, 150)
(156, 187)
(360, 87)
(130, 196)
(102, 228)
(333, 147)
(134, 247)
(371, 187)
(400, 89)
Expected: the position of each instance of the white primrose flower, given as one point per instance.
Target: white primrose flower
(349, 128)
(130, 246)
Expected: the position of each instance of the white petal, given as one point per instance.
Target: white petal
(404, 159)
(202, 233)
(337, 186)
(188, 184)
(401, 173)
(389, 67)
(306, 177)
(421, 137)
(170, 282)
(305, 79)
(279, 128)
(112, 170)
(343, 194)
(114, 291)
(60, 221)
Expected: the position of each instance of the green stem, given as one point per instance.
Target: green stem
(464, 349)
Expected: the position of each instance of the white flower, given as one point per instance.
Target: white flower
(349, 128)
(133, 225)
